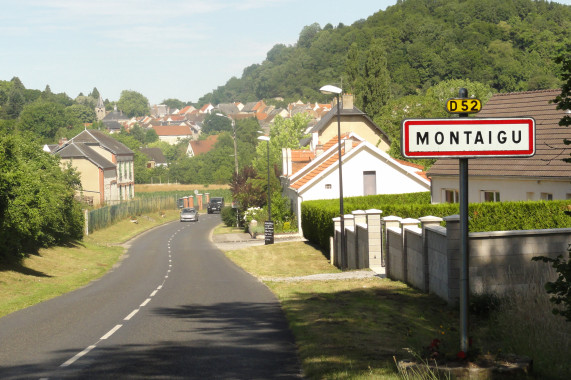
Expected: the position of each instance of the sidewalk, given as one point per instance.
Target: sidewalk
(234, 241)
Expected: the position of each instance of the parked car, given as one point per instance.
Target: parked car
(188, 215)
(215, 205)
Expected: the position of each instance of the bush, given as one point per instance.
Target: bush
(228, 215)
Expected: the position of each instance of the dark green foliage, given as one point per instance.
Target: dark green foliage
(508, 45)
(561, 287)
(133, 103)
(37, 206)
(228, 215)
(491, 216)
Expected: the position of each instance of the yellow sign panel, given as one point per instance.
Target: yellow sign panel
(463, 105)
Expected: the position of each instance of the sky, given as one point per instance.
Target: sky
(162, 49)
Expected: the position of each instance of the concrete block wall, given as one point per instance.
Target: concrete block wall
(428, 257)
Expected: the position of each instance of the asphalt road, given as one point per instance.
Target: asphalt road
(174, 308)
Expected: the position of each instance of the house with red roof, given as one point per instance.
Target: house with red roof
(198, 147)
(367, 170)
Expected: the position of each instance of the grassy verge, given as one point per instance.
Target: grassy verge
(58, 270)
(349, 329)
(352, 329)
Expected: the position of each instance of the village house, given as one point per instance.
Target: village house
(545, 176)
(352, 120)
(106, 167)
(173, 134)
(367, 170)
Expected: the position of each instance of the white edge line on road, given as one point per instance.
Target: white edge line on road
(131, 315)
(146, 302)
(159, 287)
(77, 356)
(153, 293)
(111, 332)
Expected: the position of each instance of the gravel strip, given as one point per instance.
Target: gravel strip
(324, 276)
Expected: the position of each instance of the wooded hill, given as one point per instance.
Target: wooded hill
(413, 45)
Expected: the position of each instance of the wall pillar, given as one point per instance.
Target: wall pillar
(191, 201)
(336, 248)
(350, 249)
(208, 197)
(375, 237)
(199, 199)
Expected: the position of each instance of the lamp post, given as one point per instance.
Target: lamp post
(329, 89)
(234, 138)
(269, 225)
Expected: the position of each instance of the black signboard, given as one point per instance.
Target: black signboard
(269, 232)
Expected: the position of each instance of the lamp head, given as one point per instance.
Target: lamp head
(329, 89)
(264, 138)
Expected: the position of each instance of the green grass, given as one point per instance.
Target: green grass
(348, 329)
(58, 270)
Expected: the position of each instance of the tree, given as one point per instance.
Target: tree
(79, 114)
(174, 104)
(133, 103)
(215, 124)
(375, 89)
(563, 100)
(94, 93)
(37, 206)
(43, 118)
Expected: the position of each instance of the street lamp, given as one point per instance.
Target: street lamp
(329, 89)
(267, 139)
(234, 138)
(269, 225)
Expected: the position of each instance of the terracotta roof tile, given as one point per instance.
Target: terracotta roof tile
(203, 146)
(172, 130)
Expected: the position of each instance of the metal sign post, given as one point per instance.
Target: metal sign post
(464, 271)
(465, 138)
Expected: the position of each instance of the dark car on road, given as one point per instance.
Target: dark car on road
(215, 205)
(188, 215)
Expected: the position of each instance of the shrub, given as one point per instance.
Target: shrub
(228, 215)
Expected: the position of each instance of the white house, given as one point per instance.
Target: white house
(367, 170)
(544, 176)
(172, 134)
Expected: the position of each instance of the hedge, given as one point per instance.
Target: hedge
(318, 225)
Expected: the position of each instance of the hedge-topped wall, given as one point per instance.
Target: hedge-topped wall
(316, 216)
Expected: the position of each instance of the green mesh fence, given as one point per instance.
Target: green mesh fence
(108, 215)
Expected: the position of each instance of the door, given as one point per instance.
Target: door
(370, 183)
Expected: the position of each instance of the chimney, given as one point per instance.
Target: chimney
(318, 150)
(62, 141)
(348, 145)
(347, 102)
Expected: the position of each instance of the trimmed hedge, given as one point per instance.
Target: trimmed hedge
(318, 225)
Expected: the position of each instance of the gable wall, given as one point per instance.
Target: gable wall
(89, 175)
(388, 179)
(358, 125)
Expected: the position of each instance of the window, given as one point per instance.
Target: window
(490, 196)
(327, 186)
(546, 197)
(450, 196)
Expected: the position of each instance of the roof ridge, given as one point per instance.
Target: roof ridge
(526, 92)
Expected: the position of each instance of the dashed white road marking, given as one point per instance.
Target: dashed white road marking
(145, 302)
(127, 318)
(111, 332)
(77, 356)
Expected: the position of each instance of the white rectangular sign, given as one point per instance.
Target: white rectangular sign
(468, 137)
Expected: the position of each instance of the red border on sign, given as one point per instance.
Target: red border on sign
(530, 151)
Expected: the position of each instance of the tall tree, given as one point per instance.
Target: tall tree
(563, 100)
(133, 103)
(43, 119)
(375, 89)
